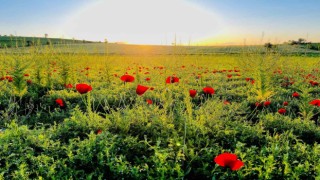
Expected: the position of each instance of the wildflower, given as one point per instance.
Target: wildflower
(149, 101)
(267, 103)
(229, 160)
(141, 89)
(314, 83)
(68, 86)
(127, 78)
(9, 78)
(282, 111)
(148, 79)
(60, 102)
(83, 88)
(285, 103)
(192, 93)
(226, 102)
(295, 94)
(29, 81)
(99, 131)
(229, 75)
(315, 102)
(172, 79)
(208, 90)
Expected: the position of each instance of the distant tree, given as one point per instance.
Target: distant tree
(301, 41)
(29, 43)
(268, 45)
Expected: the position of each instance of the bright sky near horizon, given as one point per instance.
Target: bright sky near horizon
(196, 22)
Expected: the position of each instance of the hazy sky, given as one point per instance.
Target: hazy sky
(209, 22)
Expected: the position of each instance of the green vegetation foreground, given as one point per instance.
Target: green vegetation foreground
(82, 116)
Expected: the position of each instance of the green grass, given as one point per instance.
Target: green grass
(175, 137)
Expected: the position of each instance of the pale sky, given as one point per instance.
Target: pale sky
(199, 22)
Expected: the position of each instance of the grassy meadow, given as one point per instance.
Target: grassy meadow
(264, 108)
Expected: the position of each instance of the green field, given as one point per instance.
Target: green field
(264, 109)
(30, 44)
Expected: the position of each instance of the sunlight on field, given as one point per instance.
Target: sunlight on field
(159, 89)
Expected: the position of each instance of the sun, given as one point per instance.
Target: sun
(143, 22)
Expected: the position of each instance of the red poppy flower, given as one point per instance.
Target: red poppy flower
(68, 86)
(99, 131)
(127, 78)
(9, 78)
(295, 94)
(149, 101)
(87, 68)
(315, 102)
(26, 75)
(172, 79)
(29, 81)
(229, 75)
(285, 103)
(208, 90)
(192, 93)
(248, 79)
(60, 102)
(226, 102)
(267, 103)
(141, 89)
(229, 160)
(148, 79)
(83, 88)
(314, 83)
(282, 111)
(257, 104)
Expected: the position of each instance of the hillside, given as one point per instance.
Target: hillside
(19, 41)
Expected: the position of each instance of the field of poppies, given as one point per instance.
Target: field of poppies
(97, 116)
